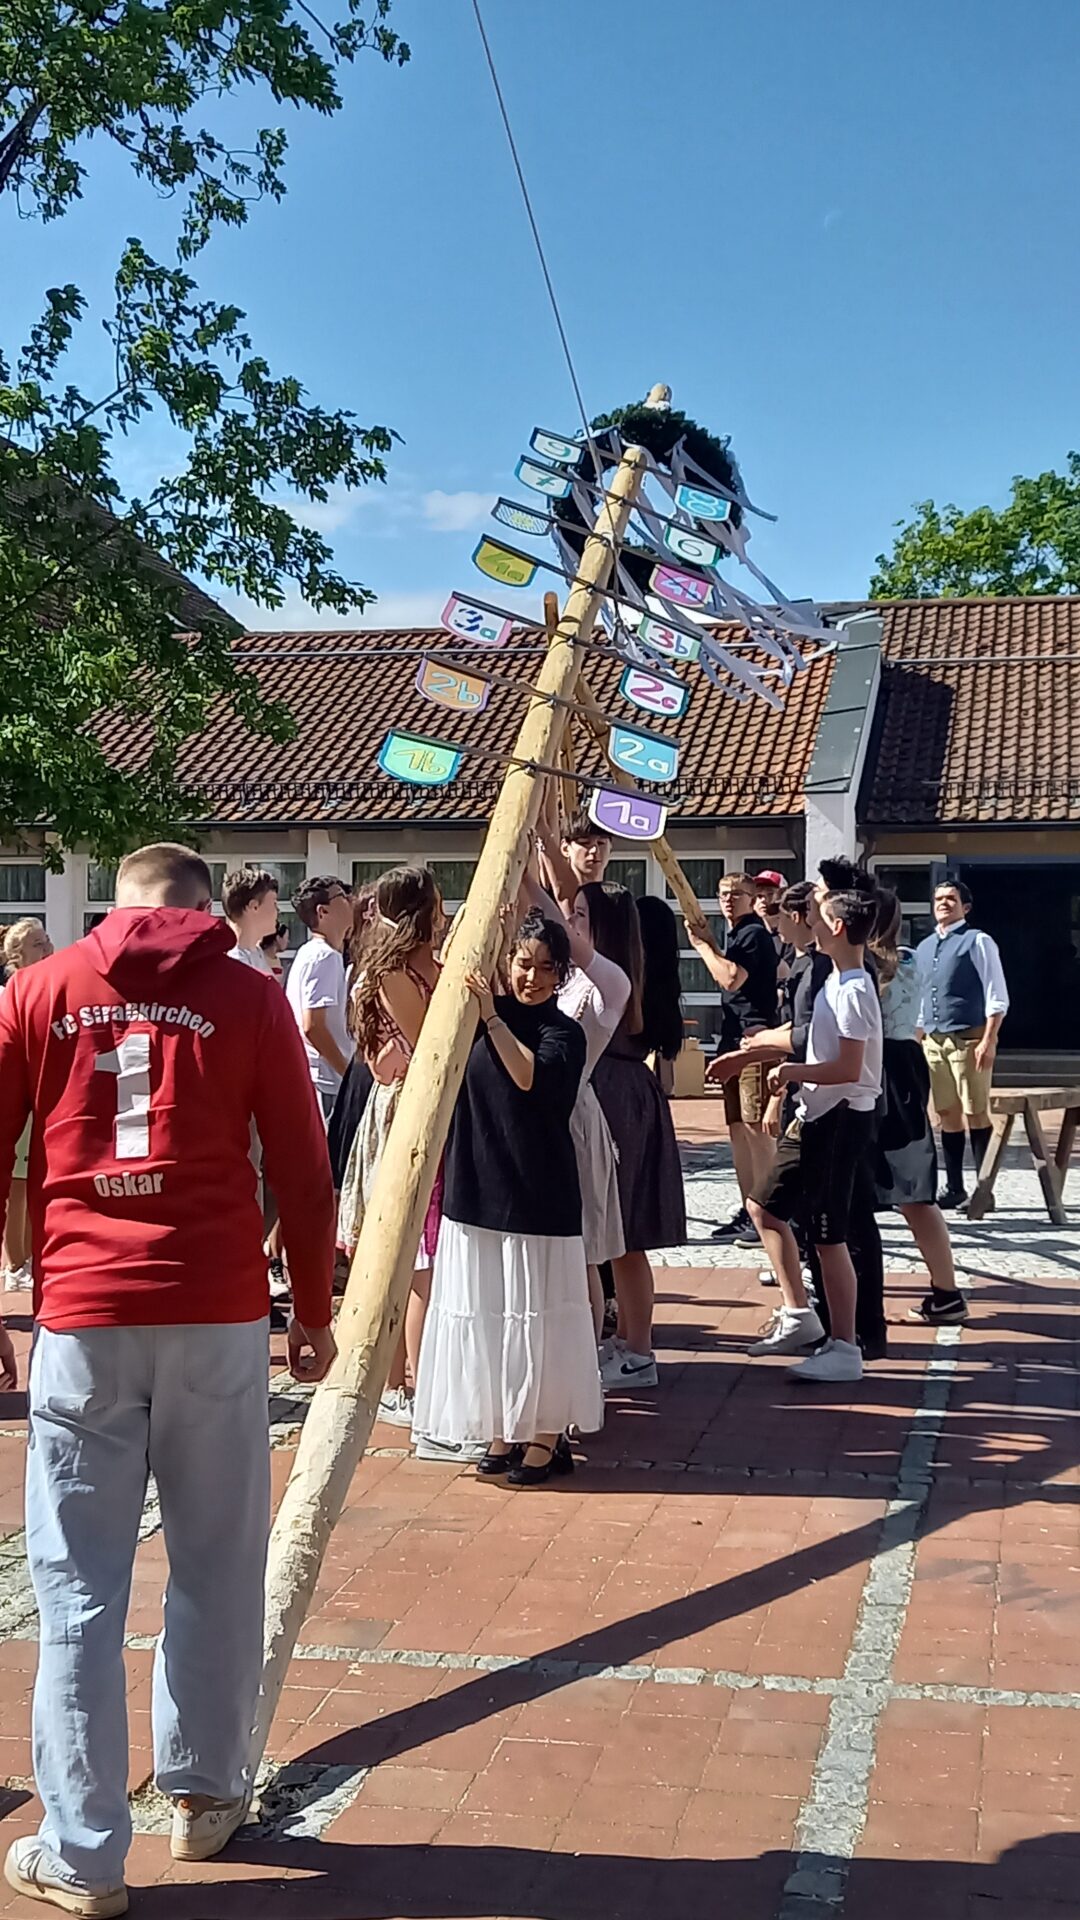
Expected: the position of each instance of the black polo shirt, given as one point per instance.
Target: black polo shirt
(750, 945)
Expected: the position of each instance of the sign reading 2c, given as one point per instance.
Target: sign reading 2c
(653, 693)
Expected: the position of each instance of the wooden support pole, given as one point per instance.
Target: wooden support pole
(343, 1410)
(666, 857)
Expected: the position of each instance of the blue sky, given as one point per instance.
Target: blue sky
(845, 231)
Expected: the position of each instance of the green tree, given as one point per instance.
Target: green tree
(95, 612)
(1030, 546)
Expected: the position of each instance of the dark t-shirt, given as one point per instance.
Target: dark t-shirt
(510, 1160)
(750, 945)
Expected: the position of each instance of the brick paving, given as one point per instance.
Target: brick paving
(780, 1654)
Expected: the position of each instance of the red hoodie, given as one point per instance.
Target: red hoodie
(144, 1054)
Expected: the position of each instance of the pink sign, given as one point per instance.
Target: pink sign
(682, 589)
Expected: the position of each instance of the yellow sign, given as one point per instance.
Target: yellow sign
(504, 564)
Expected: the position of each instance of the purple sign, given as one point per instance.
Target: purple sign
(627, 816)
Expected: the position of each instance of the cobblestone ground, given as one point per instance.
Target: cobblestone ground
(771, 1653)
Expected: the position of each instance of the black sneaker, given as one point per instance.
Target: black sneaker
(950, 1198)
(748, 1236)
(739, 1223)
(875, 1346)
(941, 1310)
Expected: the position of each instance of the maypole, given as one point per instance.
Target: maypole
(344, 1407)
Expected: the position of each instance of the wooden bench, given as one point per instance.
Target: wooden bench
(1029, 1102)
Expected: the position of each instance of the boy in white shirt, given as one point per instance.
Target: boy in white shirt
(316, 988)
(249, 897)
(840, 1082)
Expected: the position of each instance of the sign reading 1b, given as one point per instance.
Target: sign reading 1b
(419, 762)
(627, 816)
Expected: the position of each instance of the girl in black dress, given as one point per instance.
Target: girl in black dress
(509, 1355)
(650, 1172)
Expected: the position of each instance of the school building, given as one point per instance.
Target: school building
(942, 736)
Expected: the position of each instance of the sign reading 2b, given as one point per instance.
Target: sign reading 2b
(629, 816)
(452, 687)
(654, 693)
(648, 755)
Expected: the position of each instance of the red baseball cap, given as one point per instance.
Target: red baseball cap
(769, 878)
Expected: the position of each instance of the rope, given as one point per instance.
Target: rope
(544, 268)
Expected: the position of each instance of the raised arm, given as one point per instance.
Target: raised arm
(726, 974)
(518, 1060)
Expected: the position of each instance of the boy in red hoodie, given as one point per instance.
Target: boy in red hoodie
(144, 1055)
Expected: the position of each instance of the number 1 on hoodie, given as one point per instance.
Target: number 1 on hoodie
(130, 1062)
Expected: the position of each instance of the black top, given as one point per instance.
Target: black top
(751, 946)
(510, 1160)
(809, 972)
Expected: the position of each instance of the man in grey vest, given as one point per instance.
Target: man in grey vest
(964, 1001)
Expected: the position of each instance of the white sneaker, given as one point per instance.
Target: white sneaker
(838, 1360)
(396, 1407)
(624, 1372)
(605, 1350)
(455, 1451)
(767, 1278)
(34, 1873)
(199, 1831)
(19, 1279)
(791, 1330)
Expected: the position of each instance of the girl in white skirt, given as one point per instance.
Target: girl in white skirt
(508, 1355)
(394, 976)
(605, 946)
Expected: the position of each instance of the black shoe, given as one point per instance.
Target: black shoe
(950, 1198)
(941, 1310)
(875, 1346)
(559, 1460)
(493, 1465)
(731, 1229)
(748, 1237)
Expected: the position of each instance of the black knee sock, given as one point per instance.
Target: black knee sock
(952, 1147)
(980, 1138)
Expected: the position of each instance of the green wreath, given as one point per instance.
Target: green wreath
(658, 430)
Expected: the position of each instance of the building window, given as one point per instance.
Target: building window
(22, 891)
(914, 887)
(702, 1005)
(632, 874)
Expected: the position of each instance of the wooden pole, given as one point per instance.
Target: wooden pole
(343, 1410)
(665, 854)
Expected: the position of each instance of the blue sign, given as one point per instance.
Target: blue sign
(647, 755)
(701, 505)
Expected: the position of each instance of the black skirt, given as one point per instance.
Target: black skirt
(650, 1171)
(905, 1171)
(352, 1098)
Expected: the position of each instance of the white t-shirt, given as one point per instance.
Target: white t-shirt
(317, 979)
(251, 957)
(596, 998)
(846, 1009)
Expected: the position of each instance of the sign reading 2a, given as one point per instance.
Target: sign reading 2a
(647, 755)
(452, 687)
(654, 693)
(630, 816)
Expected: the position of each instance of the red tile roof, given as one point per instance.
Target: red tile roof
(349, 688)
(978, 719)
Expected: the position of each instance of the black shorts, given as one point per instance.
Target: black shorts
(832, 1151)
(783, 1193)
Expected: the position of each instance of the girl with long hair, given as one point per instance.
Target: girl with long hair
(601, 995)
(23, 944)
(650, 1172)
(398, 926)
(906, 1174)
(509, 1357)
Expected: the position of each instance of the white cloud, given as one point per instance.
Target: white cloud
(455, 512)
(326, 516)
(403, 609)
(834, 214)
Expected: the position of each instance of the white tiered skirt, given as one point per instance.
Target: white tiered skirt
(509, 1349)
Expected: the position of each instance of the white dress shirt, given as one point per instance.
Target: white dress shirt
(986, 960)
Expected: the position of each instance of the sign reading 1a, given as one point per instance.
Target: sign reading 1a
(627, 816)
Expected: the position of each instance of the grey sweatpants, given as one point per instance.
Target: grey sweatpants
(108, 1406)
